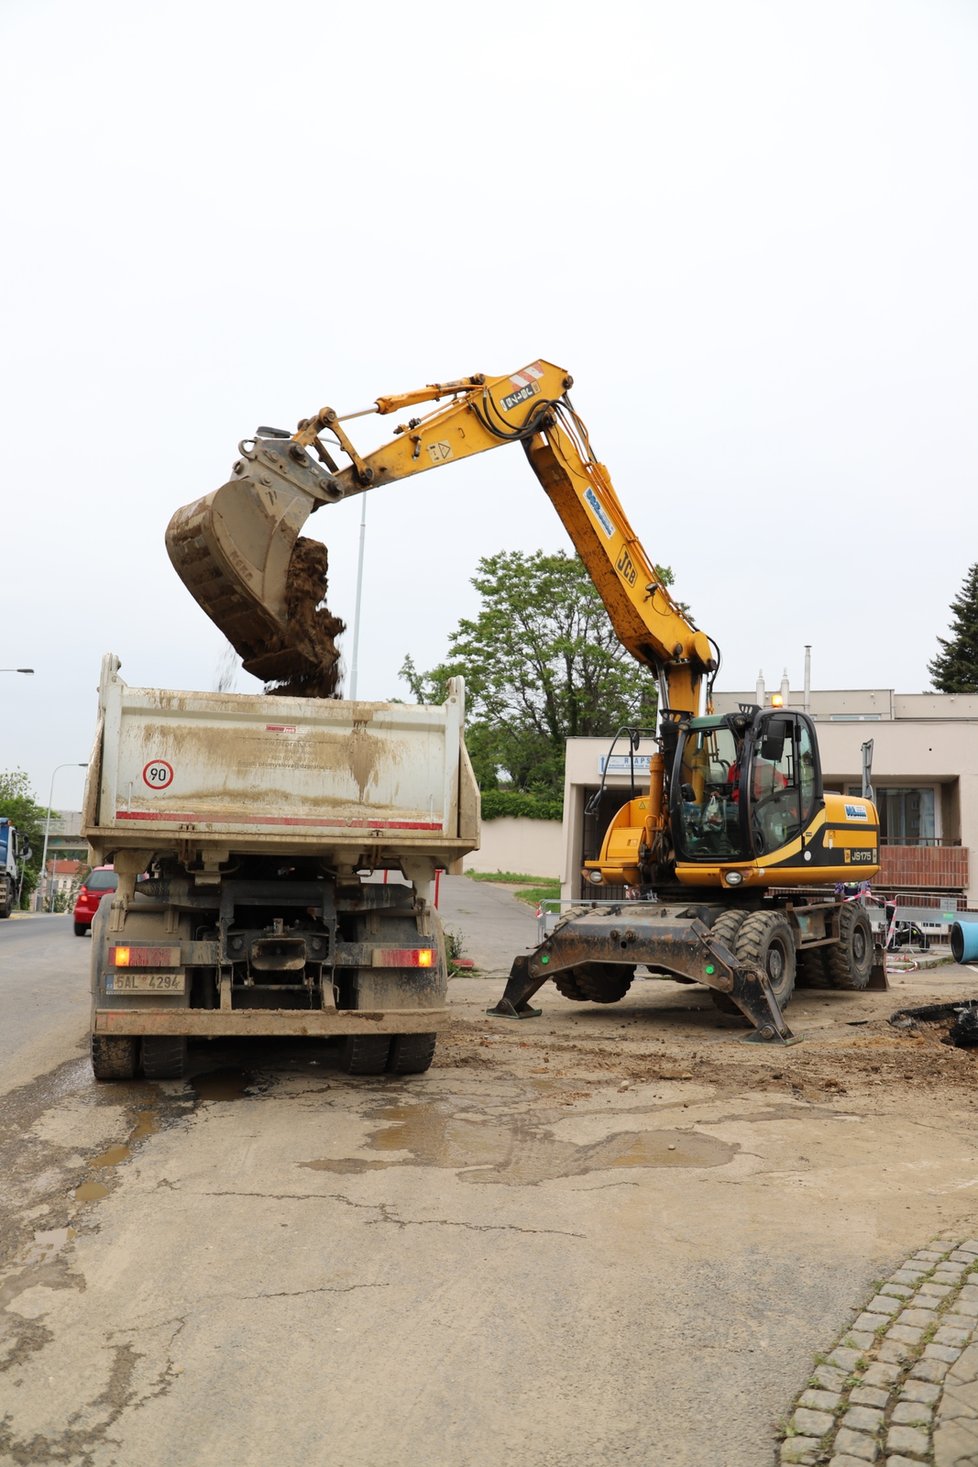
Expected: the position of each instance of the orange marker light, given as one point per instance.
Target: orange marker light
(122, 956)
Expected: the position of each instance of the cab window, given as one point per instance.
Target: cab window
(709, 826)
(783, 782)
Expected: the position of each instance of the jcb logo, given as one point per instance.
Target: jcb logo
(626, 567)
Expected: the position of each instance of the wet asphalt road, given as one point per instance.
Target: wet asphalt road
(272, 1261)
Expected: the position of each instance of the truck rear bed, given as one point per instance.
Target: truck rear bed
(278, 775)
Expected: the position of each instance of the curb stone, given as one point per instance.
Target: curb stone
(900, 1387)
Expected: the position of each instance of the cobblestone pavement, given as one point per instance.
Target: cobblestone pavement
(901, 1387)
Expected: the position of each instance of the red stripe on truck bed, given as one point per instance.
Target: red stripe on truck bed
(313, 823)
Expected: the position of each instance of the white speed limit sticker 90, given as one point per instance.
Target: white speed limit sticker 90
(158, 774)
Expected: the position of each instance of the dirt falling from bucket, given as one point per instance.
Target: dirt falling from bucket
(313, 624)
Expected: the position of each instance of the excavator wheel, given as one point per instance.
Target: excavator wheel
(765, 940)
(567, 984)
(850, 960)
(726, 927)
(595, 982)
(813, 969)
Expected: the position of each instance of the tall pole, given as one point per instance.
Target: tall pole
(356, 605)
(47, 831)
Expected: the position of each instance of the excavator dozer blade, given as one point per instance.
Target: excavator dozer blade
(239, 553)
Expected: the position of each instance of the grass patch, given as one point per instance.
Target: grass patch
(532, 889)
(509, 878)
(532, 895)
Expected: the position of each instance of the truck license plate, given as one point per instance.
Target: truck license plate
(145, 983)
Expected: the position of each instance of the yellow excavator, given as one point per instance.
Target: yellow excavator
(733, 868)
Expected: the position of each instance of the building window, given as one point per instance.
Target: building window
(908, 816)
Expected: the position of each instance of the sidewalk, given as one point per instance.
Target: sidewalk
(492, 926)
(901, 1386)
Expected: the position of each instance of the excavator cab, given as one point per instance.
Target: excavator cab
(745, 786)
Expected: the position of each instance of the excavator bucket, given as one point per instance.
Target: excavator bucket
(239, 553)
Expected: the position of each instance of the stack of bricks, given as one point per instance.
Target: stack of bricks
(901, 1387)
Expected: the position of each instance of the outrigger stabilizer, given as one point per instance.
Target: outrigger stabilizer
(667, 940)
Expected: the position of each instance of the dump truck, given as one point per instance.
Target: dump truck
(277, 860)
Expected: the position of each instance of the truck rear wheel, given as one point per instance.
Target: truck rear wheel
(113, 1058)
(366, 1054)
(411, 1054)
(163, 1056)
(850, 960)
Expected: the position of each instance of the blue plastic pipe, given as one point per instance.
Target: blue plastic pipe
(964, 941)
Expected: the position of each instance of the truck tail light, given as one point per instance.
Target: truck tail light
(403, 957)
(145, 957)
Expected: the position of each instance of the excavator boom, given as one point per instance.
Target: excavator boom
(240, 553)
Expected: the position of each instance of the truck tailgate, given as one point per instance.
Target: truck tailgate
(278, 773)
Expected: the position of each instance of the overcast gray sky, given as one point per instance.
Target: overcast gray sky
(748, 228)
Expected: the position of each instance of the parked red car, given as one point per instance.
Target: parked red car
(98, 881)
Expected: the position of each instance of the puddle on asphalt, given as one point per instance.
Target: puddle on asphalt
(147, 1123)
(112, 1157)
(482, 1150)
(222, 1085)
(47, 1244)
(91, 1192)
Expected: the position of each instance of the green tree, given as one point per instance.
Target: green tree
(542, 664)
(17, 803)
(955, 668)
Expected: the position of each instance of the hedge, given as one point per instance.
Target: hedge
(516, 804)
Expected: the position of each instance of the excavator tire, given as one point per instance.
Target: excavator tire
(595, 982)
(850, 960)
(765, 940)
(813, 969)
(567, 984)
(726, 927)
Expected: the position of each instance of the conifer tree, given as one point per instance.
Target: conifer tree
(955, 668)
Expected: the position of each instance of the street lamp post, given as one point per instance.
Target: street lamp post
(18, 669)
(47, 831)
